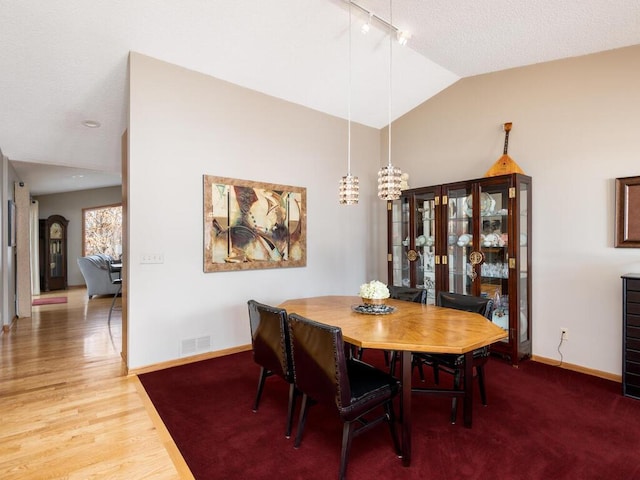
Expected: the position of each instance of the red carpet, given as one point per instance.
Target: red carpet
(542, 422)
(49, 300)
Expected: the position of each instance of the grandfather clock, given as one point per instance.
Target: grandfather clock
(53, 253)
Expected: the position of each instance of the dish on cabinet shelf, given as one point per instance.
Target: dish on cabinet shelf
(491, 240)
(523, 239)
(464, 240)
(487, 204)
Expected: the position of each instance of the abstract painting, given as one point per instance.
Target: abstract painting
(251, 225)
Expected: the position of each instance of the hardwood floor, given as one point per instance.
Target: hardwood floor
(66, 408)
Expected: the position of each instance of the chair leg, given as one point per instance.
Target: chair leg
(386, 357)
(392, 363)
(420, 370)
(293, 392)
(483, 393)
(391, 418)
(454, 402)
(436, 373)
(302, 420)
(113, 302)
(264, 373)
(347, 436)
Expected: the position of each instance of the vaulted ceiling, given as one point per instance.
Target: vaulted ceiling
(65, 61)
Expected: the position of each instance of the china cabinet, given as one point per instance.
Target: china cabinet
(631, 335)
(53, 253)
(471, 237)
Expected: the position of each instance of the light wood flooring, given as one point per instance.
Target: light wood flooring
(67, 411)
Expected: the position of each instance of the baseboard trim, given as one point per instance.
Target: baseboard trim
(578, 368)
(186, 360)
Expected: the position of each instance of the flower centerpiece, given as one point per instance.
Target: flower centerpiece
(374, 292)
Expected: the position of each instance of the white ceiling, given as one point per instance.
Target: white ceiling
(65, 61)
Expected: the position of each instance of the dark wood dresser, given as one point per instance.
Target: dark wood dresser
(631, 335)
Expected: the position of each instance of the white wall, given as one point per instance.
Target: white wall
(183, 125)
(70, 205)
(8, 177)
(576, 127)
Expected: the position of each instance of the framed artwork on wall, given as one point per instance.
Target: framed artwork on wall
(252, 225)
(627, 232)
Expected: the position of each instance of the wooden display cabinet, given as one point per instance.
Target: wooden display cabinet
(471, 237)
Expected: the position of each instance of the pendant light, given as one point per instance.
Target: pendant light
(349, 190)
(389, 177)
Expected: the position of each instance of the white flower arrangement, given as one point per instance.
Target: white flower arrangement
(374, 290)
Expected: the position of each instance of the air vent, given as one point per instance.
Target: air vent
(192, 346)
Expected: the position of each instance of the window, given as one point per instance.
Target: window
(102, 230)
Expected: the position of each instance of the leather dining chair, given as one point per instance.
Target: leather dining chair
(407, 294)
(324, 373)
(115, 276)
(272, 351)
(453, 363)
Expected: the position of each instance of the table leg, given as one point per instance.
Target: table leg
(406, 408)
(468, 388)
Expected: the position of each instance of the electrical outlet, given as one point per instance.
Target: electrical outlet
(564, 334)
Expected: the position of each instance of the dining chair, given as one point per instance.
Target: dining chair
(454, 363)
(407, 294)
(115, 276)
(272, 351)
(325, 374)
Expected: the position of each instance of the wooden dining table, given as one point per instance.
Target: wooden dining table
(411, 327)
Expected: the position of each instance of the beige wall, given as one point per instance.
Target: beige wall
(576, 127)
(183, 125)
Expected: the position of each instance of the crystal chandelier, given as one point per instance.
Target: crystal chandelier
(349, 190)
(389, 177)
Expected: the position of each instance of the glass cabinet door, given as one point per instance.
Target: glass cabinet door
(524, 259)
(459, 237)
(399, 240)
(426, 239)
(414, 239)
(494, 246)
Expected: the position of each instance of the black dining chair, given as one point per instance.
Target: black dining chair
(453, 363)
(324, 373)
(272, 351)
(407, 294)
(115, 276)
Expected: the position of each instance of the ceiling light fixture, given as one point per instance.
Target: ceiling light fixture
(401, 35)
(349, 190)
(389, 177)
(365, 26)
(91, 124)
